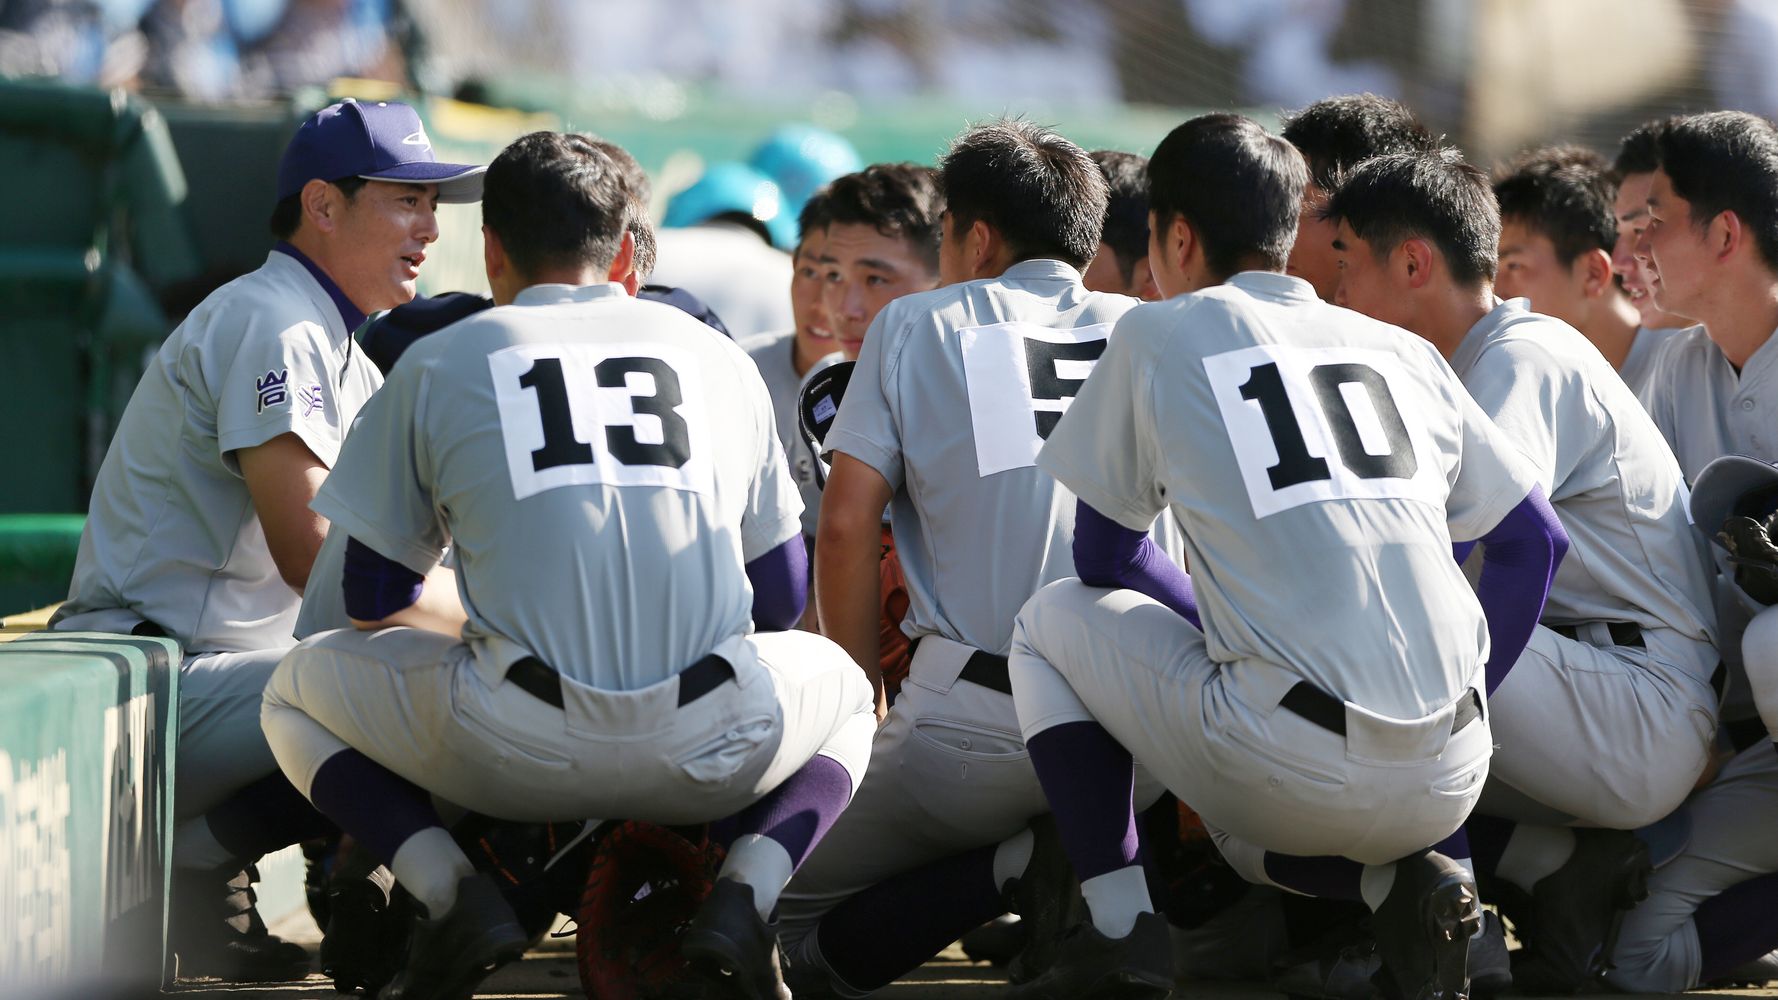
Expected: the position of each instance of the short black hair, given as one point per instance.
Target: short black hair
(1126, 207)
(1432, 196)
(1726, 161)
(1636, 153)
(1338, 133)
(1564, 192)
(640, 225)
(287, 215)
(1042, 193)
(900, 200)
(817, 213)
(1238, 186)
(556, 200)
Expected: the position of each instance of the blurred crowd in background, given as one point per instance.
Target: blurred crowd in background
(1495, 74)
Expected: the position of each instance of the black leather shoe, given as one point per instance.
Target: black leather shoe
(1047, 899)
(731, 948)
(369, 919)
(1424, 928)
(217, 932)
(1577, 911)
(448, 956)
(1090, 966)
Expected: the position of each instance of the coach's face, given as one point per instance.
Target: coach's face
(1673, 249)
(379, 241)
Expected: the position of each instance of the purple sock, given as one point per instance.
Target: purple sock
(897, 925)
(1088, 778)
(798, 812)
(265, 816)
(1737, 926)
(1488, 836)
(378, 807)
(1325, 877)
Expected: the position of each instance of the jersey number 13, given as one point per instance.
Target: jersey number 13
(617, 414)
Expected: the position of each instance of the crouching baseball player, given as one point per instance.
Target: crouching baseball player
(609, 477)
(1326, 719)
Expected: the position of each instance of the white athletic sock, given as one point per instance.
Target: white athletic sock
(1374, 884)
(1116, 898)
(1012, 857)
(430, 864)
(759, 861)
(1534, 852)
(196, 847)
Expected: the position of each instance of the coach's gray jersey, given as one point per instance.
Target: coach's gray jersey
(1603, 464)
(1705, 409)
(1639, 364)
(172, 536)
(954, 391)
(1320, 464)
(775, 354)
(604, 468)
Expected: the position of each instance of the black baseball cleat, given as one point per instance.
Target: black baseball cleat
(369, 919)
(1090, 966)
(1490, 964)
(448, 956)
(731, 948)
(217, 932)
(1047, 899)
(1424, 928)
(1578, 910)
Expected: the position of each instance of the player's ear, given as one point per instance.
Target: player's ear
(493, 255)
(623, 266)
(1413, 260)
(982, 245)
(320, 205)
(1593, 268)
(1725, 234)
(1182, 240)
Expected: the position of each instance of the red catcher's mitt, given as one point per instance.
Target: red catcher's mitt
(644, 886)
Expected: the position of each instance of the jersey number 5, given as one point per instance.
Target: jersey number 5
(561, 447)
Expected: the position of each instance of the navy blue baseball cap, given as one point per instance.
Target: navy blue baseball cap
(381, 141)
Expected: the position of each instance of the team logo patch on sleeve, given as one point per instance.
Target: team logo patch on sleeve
(310, 396)
(273, 388)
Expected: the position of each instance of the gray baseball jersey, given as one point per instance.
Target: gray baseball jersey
(1705, 409)
(1639, 363)
(954, 392)
(775, 354)
(604, 468)
(1353, 456)
(1602, 463)
(172, 536)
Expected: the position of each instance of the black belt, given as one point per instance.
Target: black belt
(1622, 633)
(541, 680)
(984, 669)
(1328, 712)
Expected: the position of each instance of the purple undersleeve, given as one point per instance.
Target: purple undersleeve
(1107, 554)
(1519, 560)
(780, 581)
(375, 585)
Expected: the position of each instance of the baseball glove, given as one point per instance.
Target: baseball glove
(645, 885)
(1754, 556)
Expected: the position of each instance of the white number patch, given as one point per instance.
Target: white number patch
(1022, 378)
(618, 414)
(1329, 423)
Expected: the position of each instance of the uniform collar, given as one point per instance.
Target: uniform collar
(350, 314)
(550, 295)
(1274, 286)
(1470, 348)
(1040, 269)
